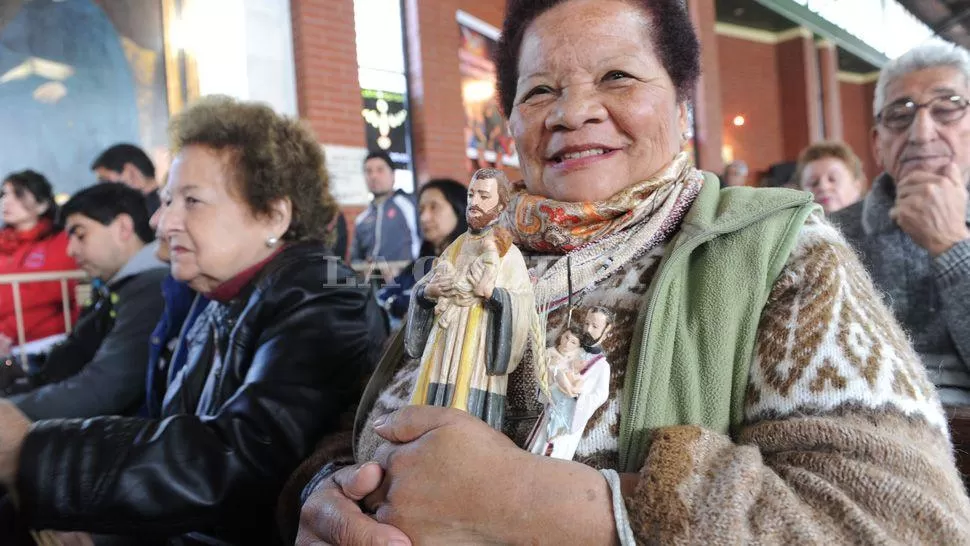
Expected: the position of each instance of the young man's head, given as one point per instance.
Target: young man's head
(379, 173)
(128, 164)
(106, 225)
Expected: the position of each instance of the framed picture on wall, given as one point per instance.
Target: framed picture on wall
(487, 139)
(79, 76)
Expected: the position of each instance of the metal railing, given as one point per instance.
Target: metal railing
(17, 279)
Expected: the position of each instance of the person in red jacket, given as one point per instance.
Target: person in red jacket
(30, 242)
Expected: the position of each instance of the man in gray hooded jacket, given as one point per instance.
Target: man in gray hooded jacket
(100, 368)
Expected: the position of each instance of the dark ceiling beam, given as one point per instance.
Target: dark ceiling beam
(952, 21)
(949, 23)
(801, 15)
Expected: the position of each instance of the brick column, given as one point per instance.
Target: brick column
(800, 93)
(327, 86)
(325, 55)
(707, 102)
(857, 92)
(867, 154)
(437, 114)
(828, 66)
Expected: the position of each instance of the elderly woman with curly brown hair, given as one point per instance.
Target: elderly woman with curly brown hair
(760, 392)
(833, 173)
(280, 351)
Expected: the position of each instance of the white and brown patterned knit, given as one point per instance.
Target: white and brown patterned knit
(844, 439)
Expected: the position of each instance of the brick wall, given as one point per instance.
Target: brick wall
(773, 88)
(857, 122)
(325, 58)
(798, 80)
(828, 65)
(750, 87)
(708, 107)
(437, 113)
(325, 55)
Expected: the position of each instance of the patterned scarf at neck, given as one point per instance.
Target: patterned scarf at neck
(597, 239)
(547, 226)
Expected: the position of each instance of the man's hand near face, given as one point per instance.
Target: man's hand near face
(932, 208)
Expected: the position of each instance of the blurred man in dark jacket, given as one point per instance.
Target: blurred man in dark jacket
(130, 165)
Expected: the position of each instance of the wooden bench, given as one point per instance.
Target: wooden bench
(959, 419)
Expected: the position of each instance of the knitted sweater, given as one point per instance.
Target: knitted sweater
(844, 438)
(929, 296)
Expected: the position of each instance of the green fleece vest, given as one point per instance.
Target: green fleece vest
(694, 341)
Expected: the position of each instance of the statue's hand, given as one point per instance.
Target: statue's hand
(562, 382)
(476, 272)
(485, 288)
(441, 285)
(578, 383)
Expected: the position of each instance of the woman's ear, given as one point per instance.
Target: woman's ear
(125, 226)
(42, 208)
(281, 216)
(683, 118)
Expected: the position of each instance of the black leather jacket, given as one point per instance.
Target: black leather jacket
(267, 376)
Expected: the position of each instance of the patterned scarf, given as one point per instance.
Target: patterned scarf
(547, 226)
(589, 242)
(597, 239)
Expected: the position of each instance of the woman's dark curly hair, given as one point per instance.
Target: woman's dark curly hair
(672, 33)
(273, 157)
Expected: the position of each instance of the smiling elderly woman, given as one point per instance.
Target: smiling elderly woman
(271, 362)
(759, 391)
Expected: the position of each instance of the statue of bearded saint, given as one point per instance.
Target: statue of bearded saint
(469, 319)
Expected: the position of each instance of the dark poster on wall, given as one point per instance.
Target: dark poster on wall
(386, 125)
(487, 140)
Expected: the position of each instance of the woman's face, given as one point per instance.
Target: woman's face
(437, 217)
(211, 232)
(20, 212)
(595, 111)
(832, 183)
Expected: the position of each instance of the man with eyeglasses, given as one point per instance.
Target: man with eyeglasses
(912, 228)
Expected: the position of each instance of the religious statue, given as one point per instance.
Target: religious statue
(564, 361)
(471, 318)
(579, 379)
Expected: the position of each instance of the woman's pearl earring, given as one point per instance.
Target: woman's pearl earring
(271, 241)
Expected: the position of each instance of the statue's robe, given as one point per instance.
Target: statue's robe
(465, 361)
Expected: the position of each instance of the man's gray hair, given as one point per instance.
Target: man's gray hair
(931, 54)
